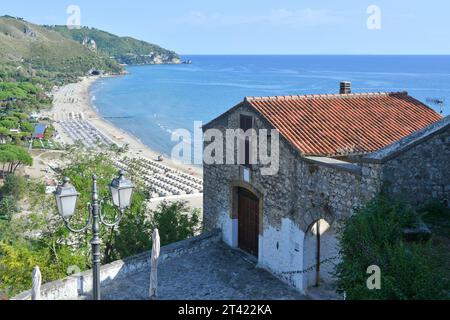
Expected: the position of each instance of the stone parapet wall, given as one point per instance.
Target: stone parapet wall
(416, 169)
(80, 285)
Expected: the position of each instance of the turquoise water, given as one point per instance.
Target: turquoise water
(153, 101)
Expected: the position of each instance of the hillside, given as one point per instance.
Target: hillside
(28, 45)
(125, 50)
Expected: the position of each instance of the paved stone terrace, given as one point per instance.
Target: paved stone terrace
(214, 273)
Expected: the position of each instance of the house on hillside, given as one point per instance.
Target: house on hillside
(335, 153)
(39, 131)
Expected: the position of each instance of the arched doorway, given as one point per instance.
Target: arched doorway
(320, 254)
(248, 210)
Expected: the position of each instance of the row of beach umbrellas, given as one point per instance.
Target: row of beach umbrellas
(161, 180)
(82, 130)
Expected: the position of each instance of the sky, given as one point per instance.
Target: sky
(260, 26)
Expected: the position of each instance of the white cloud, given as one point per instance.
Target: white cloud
(201, 18)
(305, 17)
(282, 17)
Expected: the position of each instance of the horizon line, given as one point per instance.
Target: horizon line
(314, 54)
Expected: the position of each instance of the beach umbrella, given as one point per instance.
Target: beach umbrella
(36, 284)
(156, 249)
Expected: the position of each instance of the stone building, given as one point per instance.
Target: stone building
(335, 153)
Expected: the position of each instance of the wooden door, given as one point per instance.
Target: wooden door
(248, 221)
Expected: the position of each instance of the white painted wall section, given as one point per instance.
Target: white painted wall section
(281, 252)
(229, 229)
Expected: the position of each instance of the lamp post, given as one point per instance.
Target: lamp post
(66, 198)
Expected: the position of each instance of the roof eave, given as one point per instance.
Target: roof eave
(407, 143)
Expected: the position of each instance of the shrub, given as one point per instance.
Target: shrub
(175, 222)
(132, 238)
(373, 236)
(14, 186)
(18, 260)
(436, 213)
(7, 208)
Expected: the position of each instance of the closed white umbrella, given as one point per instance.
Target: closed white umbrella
(36, 284)
(156, 250)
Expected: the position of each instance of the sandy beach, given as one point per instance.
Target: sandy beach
(74, 99)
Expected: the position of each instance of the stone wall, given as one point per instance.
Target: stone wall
(416, 169)
(421, 173)
(332, 192)
(80, 285)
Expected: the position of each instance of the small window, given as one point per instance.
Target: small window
(246, 174)
(246, 122)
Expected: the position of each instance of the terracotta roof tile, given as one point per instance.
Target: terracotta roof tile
(336, 124)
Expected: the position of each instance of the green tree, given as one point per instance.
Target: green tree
(9, 124)
(27, 127)
(132, 237)
(80, 170)
(20, 115)
(175, 222)
(12, 157)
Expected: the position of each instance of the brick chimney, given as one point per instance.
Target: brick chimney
(346, 87)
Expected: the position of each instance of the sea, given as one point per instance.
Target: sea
(152, 102)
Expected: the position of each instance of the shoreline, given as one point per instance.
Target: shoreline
(76, 99)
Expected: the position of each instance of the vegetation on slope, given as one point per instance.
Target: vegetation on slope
(125, 50)
(45, 56)
(33, 60)
(23, 44)
(18, 99)
(21, 97)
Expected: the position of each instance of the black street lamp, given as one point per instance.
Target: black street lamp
(66, 199)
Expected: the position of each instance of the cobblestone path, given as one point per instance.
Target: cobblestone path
(215, 273)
